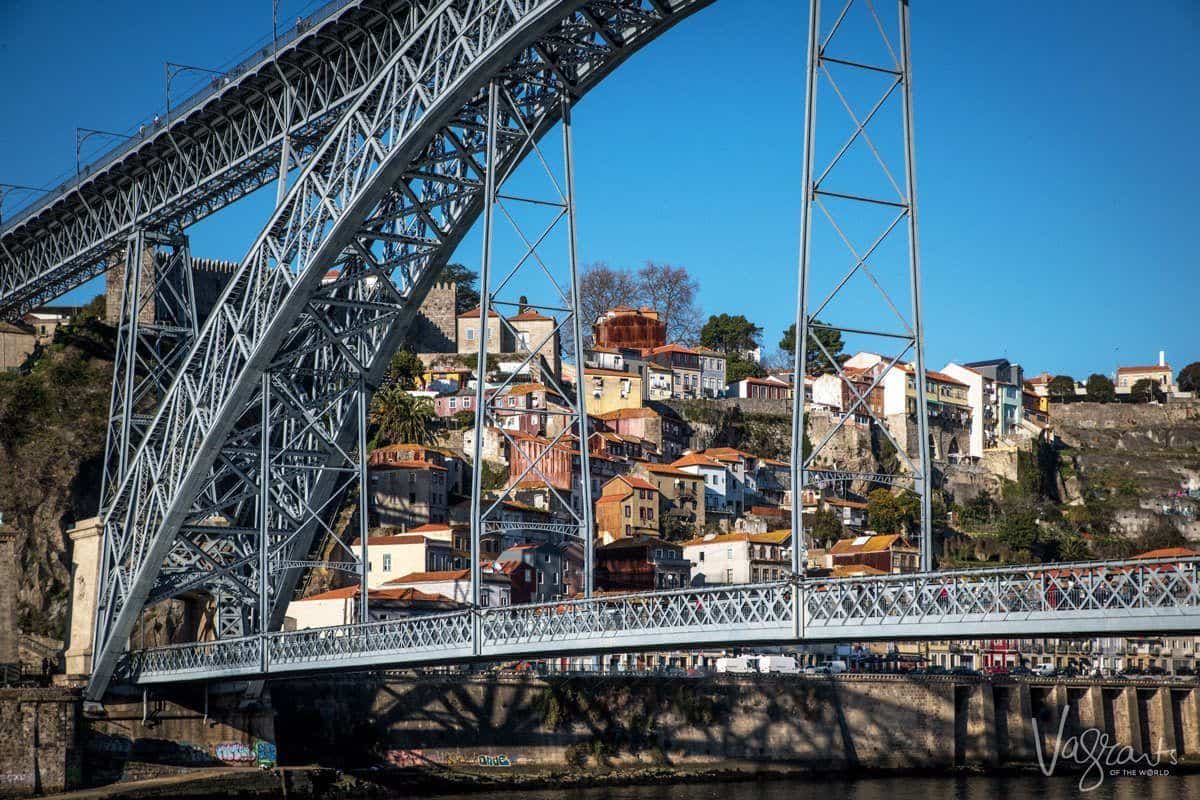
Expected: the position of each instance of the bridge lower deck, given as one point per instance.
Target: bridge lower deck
(1105, 598)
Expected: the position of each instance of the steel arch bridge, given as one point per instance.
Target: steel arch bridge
(389, 127)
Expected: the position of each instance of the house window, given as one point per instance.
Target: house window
(628, 512)
(470, 334)
(453, 401)
(701, 555)
(387, 562)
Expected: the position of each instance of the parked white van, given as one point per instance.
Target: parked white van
(736, 664)
(781, 664)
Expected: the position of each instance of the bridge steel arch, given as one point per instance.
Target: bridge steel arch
(372, 201)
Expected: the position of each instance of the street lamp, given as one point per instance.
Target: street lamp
(8, 188)
(83, 134)
(173, 70)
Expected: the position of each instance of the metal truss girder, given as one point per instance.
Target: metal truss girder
(207, 155)
(1099, 598)
(912, 336)
(206, 398)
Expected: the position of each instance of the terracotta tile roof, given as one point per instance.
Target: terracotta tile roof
(673, 348)
(768, 511)
(530, 315)
(868, 544)
(721, 538)
(854, 570)
(1151, 368)
(408, 593)
(636, 482)
(474, 314)
(1169, 552)
(430, 527)
(526, 388)
(389, 465)
(768, 381)
(398, 538)
(441, 575)
(629, 413)
(695, 459)
(834, 501)
(667, 469)
(934, 375)
(613, 498)
(636, 540)
(600, 348)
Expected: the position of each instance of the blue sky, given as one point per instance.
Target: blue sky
(1056, 157)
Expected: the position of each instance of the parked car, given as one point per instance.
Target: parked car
(1131, 672)
(1020, 671)
(1066, 672)
(996, 671)
(1186, 672)
(1045, 670)
(934, 669)
(1156, 672)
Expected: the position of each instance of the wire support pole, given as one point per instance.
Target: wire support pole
(914, 262)
(585, 472)
(485, 289)
(364, 503)
(264, 512)
(800, 368)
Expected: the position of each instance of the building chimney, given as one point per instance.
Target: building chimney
(1162, 358)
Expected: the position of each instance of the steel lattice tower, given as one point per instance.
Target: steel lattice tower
(820, 191)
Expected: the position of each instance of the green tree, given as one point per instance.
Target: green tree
(404, 369)
(737, 368)
(400, 418)
(1072, 547)
(1061, 388)
(1019, 529)
(889, 513)
(979, 510)
(815, 361)
(1100, 389)
(1189, 377)
(467, 282)
(730, 334)
(825, 528)
(1145, 390)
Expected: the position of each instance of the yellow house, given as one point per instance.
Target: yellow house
(608, 390)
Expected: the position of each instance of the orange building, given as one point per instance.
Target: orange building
(627, 505)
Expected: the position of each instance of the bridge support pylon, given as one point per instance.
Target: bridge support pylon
(858, 247)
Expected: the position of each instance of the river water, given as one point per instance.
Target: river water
(964, 787)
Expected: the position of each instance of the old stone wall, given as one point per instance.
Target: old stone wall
(39, 741)
(870, 721)
(848, 722)
(169, 731)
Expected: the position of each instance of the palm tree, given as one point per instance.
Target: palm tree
(400, 418)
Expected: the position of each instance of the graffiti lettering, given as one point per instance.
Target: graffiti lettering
(500, 760)
(264, 753)
(233, 753)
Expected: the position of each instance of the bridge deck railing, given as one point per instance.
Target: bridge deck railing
(1101, 597)
(140, 133)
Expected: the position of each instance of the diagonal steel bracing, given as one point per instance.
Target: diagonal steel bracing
(209, 152)
(829, 43)
(342, 213)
